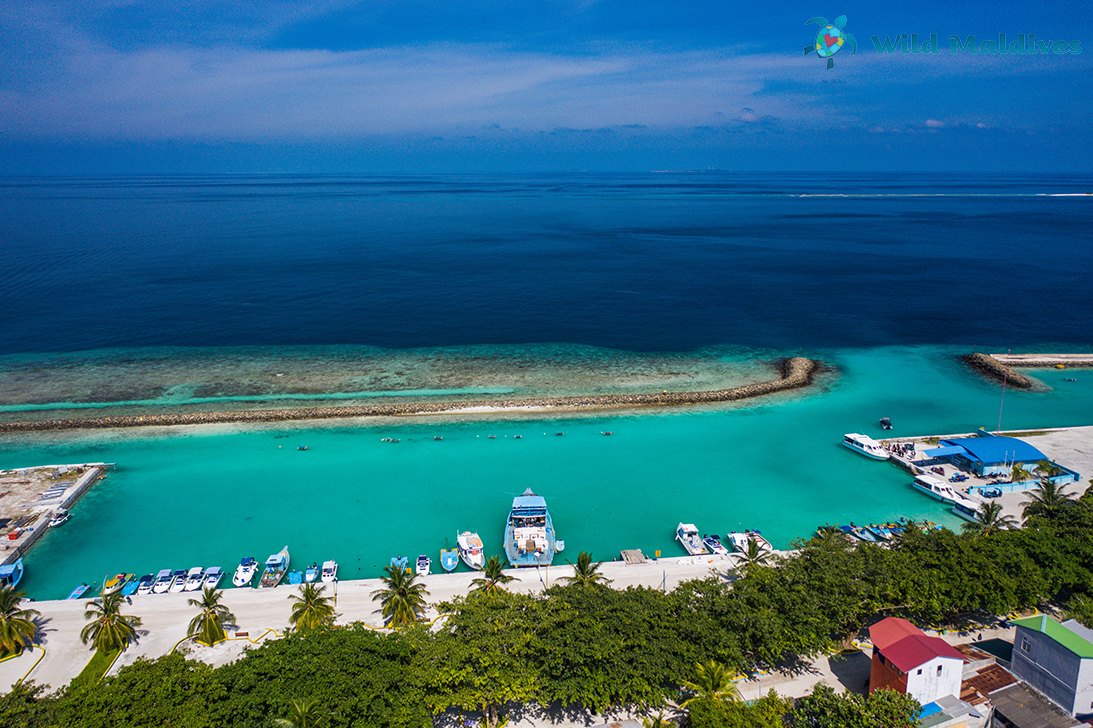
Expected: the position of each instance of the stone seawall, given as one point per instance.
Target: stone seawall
(990, 366)
(797, 372)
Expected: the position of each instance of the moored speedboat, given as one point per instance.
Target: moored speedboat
(559, 545)
(330, 572)
(740, 541)
(114, 583)
(195, 577)
(244, 573)
(969, 510)
(11, 574)
(162, 582)
(212, 578)
(937, 488)
(424, 564)
(529, 532)
(762, 543)
(713, 543)
(449, 559)
(687, 535)
(78, 591)
(131, 586)
(144, 586)
(399, 562)
(60, 517)
(470, 550)
(865, 445)
(178, 581)
(276, 566)
(885, 423)
(311, 573)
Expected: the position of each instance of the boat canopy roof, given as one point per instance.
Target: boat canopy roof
(529, 504)
(213, 570)
(162, 573)
(275, 560)
(329, 564)
(930, 481)
(688, 528)
(9, 569)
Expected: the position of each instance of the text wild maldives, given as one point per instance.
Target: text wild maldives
(1022, 45)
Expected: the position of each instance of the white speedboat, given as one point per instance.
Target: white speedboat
(865, 445)
(114, 583)
(311, 573)
(244, 573)
(60, 517)
(162, 582)
(178, 581)
(529, 532)
(470, 550)
(195, 577)
(424, 563)
(740, 541)
(969, 511)
(330, 572)
(938, 488)
(276, 568)
(213, 575)
(687, 534)
(713, 543)
(145, 585)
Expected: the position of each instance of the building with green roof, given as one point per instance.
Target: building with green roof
(1056, 659)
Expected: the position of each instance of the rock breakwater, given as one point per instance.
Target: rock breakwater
(797, 372)
(995, 369)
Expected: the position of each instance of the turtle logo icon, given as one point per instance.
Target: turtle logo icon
(830, 39)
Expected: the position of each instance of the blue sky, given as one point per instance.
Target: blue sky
(521, 85)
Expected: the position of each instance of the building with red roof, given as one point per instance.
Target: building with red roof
(907, 660)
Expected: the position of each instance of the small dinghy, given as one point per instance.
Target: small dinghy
(78, 591)
(449, 559)
(311, 573)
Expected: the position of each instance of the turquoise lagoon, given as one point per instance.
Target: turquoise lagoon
(209, 496)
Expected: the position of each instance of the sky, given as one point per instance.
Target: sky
(191, 86)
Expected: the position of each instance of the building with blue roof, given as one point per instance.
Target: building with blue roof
(988, 455)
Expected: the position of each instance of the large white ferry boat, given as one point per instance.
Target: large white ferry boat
(529, 532)
(865, 445)
(938, 488)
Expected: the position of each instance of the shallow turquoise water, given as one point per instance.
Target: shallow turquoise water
(187, 499)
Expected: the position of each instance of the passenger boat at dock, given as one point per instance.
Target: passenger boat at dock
(865, 445)
(11, 574)
(687, 535)
(529, 532)
(470, 550)
(939, 489)
(276, 566)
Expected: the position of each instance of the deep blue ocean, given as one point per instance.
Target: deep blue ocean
(648, 262)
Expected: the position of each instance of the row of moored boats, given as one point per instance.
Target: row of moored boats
(697, 545)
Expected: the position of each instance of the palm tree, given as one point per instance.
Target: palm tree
(402, 600)
(17, 626)
(111, 630)
(585, 573)
(493, 579)
(990, 520)
(1018, 474)
(712, 682)
(752, 556)
(208, 625)
(658, 722)
(311, 609)
(1046, 500)
(305, 714)
(1049, 469)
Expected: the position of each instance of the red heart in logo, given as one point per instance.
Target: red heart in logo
(829, 40)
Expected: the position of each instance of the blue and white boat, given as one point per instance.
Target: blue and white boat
(399, 562)
(78, 591)
(131, 586)
(244, 573)
(144, 586)
(311, 573)
(529, 533)
(11, 574)
(163, 581)
(213, 575)
(449, 559)
(276, 568)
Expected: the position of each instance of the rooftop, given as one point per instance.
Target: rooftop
(1025, 708)
(997, 449)
(1070, 636)
(905, 645)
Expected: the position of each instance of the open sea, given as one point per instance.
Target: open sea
(152, 293)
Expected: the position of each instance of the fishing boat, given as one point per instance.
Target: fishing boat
(195, 577)
(687, 534)
(311, 573)
(529, 532)
(78, 591)
(213, 575)
(244, 573)
(865, 445)
(276, 566)
(144, 586)
(713, 543)
(424, 565)
(59, 518)
(11, 574)
(162, 582)
(295, 577)
(399, 562)
(449, 559)
(114, 583)
(330, 572)
(178, 581)
(470, 550)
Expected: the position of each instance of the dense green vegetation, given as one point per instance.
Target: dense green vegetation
(587, 646)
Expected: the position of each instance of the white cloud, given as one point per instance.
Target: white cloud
(935, 124)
